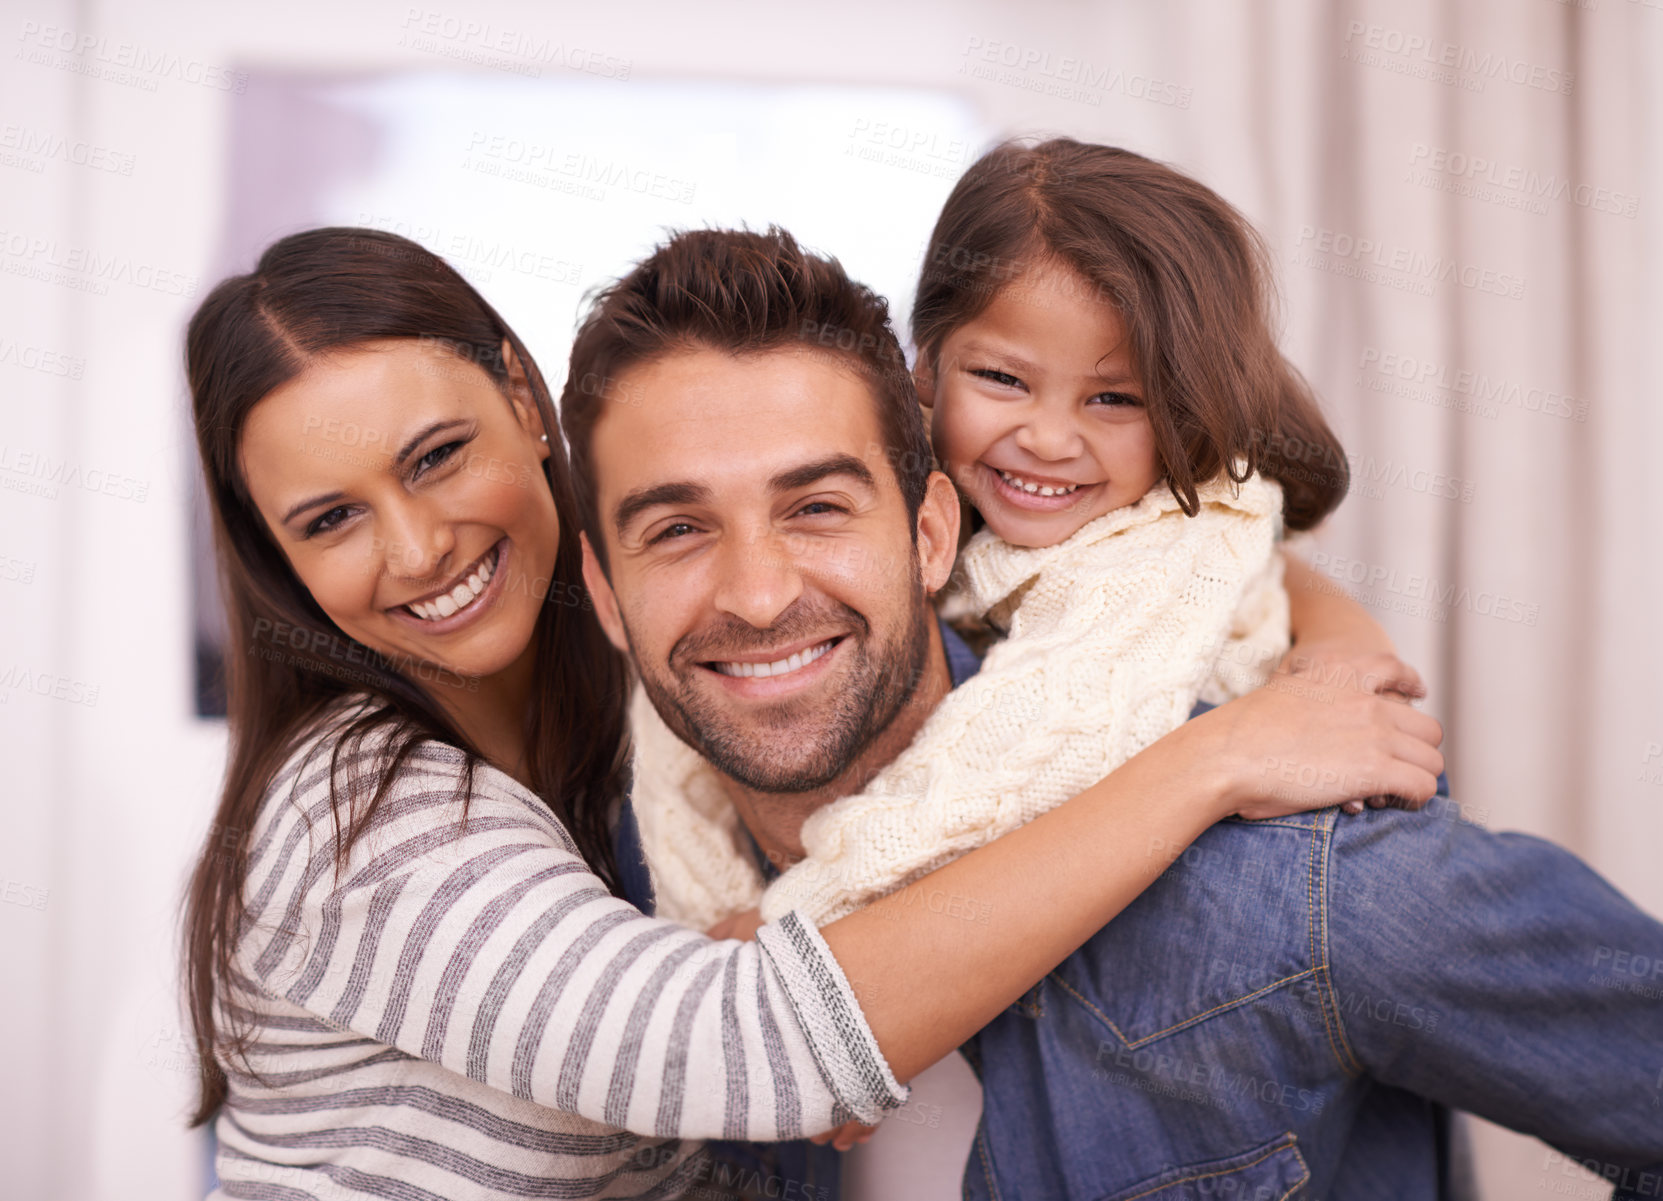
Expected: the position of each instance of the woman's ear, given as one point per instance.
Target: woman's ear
(524, 399)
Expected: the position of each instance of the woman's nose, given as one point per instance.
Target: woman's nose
(418, 544)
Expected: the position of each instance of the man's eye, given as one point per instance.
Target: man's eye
(1116, 398)
(436, 456)
(324, 522)
(1003, 378)
(676, 529)
(816, 508)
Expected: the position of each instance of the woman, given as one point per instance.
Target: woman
(406, 969)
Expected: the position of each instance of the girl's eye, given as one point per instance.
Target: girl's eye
(1116, 398)
(324, 522)
(436, 456)
(1002, 378)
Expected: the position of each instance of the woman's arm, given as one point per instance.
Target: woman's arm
(489, 948)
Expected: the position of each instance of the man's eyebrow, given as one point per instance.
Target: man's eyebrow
(642, 499)
(812, 473)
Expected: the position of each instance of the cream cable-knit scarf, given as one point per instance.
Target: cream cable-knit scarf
(1113, 635)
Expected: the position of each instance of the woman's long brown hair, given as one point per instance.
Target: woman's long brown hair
(1193, 283)
(288, 665)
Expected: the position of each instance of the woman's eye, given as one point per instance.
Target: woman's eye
(436, 456)
(324, 522)
(1003, 378)
(1116, 398)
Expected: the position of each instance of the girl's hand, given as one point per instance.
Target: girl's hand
(742, 926)
(1343, 664)
(1299, 744)
(845, 1136)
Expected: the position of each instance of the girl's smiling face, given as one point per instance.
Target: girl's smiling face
(1037, 409)
(406, 489)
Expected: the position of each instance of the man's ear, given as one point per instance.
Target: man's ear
(938, 532)
(923, 379)
(600, 591)
(524, 400)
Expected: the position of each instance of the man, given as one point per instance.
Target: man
(1288, 1010)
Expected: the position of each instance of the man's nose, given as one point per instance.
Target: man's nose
(1050, 435)
(758, 579)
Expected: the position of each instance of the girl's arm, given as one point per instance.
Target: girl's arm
(1335, 638)
(931, 978)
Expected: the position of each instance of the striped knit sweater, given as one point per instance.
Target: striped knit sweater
(463, 1011)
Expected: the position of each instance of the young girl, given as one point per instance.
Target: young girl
(1105, 388)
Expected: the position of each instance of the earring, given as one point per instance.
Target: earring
(545, 437)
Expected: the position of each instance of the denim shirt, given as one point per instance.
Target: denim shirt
(1294, 1006)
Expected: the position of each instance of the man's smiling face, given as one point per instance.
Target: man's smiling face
(762, 568)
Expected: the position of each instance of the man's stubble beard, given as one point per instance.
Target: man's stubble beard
(878, 688)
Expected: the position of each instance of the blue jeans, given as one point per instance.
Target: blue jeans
(1288, 1011)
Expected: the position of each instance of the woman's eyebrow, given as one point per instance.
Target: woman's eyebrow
(331, 498)
(421, 435)
(408, 449)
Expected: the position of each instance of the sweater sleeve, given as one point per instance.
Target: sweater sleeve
(489, 947)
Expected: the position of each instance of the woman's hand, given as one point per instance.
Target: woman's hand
(742, 926)
(844, 1136)
(1302, 743)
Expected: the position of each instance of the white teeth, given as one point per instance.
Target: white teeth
(778, 667)
(1034, 489)
(459, 597)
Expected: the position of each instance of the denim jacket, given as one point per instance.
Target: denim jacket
(1287, 1011)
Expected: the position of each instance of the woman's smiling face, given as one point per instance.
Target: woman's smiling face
(406, 489)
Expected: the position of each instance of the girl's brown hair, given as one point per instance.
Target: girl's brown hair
(288, 665)
(1193, 283)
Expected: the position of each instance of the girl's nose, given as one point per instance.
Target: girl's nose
(1054, 437)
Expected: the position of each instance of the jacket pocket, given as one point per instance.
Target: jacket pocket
(1275, 1171)
(1230, 924)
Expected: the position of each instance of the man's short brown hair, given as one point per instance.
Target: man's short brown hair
(743, 293)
